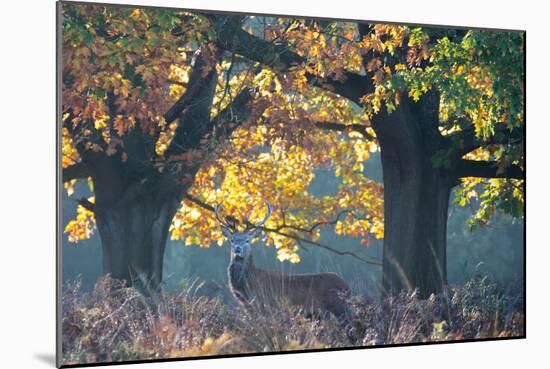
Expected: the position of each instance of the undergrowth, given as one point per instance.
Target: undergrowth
(116, 323)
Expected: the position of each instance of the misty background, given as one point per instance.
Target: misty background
(496, 249)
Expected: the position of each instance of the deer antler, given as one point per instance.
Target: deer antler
(267, 215)
(226, 224)
(222, 221)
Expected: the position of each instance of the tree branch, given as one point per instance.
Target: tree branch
(81, 139)
(75, 171)
(466, 140)
(86, 204)
(329, 126)
(193, 107)
(280, 58)
(323, 246)
(233, 115)
(316, 225)
(195, 86)
(486, 169)
(201, 87)
(204, 205)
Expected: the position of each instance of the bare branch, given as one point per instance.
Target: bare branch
(316, 225)
(204, 205)
(323, 246)
(487, 169)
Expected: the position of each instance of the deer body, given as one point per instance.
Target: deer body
(313, 293)
(320, 292)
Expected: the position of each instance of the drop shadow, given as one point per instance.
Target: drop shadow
(46, 358)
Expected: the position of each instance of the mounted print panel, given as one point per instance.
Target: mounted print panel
(243, 184)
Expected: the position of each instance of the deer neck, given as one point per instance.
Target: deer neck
(240, 269)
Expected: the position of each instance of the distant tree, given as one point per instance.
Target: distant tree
(166, 113)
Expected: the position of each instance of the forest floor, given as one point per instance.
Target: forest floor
(112, 323)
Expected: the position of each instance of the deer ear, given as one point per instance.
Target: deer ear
(226, 232)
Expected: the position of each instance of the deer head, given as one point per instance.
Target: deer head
(240, 241)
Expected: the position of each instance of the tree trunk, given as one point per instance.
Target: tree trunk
(416, 200)
(415, 230)
(133, 237)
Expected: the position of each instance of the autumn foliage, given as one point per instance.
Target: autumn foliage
(283, 104)
(126, 77)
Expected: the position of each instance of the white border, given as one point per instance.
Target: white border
(27, 188)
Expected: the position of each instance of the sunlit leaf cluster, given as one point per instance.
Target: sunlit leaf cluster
(124, 67)
(486, 196)
(82, 227)
(257, 167)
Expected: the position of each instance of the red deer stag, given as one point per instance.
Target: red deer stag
(313, 293)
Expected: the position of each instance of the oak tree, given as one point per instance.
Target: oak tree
(166, 113)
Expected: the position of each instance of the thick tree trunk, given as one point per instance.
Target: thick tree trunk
(416, 199)
(133, 237)
(415, 229)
